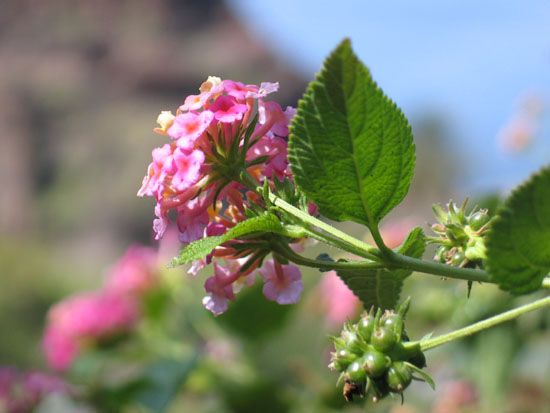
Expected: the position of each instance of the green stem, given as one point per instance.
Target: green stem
(443, 270)
(285, 251)
(343, 240)
(485, 324)
(336, 237)
(391, 259)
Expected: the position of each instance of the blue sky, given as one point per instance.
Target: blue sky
(469, 60)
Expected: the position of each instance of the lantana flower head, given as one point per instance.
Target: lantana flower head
(226, 130)
(83, 320)
(209, 146)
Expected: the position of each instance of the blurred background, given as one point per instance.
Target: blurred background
(81, 84)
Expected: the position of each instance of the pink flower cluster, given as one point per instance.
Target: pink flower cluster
(21, 392)
(208, 132)
(226, 129)
(91, 318)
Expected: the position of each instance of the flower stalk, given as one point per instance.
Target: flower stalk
(484, 324)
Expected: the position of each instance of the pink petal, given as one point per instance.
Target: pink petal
(188, 127)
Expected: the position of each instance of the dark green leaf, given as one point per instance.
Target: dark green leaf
(266, 222)
(351, 147)
(163, 381)
(381, 288)
(253, 317)
(518, 245)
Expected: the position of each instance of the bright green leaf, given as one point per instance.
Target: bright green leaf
(518, 245)
(351, 148)
(381, 287)
(266, 222)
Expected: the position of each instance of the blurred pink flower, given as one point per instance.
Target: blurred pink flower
(337, 299)
(521, 129)
(454, 397)
(135, 274)
(394, 232)
(21, 392)
(282, 283)
(85, 319)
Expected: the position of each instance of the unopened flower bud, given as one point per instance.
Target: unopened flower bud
(165, 119)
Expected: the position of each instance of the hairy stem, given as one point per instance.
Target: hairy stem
(335, 236)
(285, 251)
(324, 232)
(443, 270)
(485, 324)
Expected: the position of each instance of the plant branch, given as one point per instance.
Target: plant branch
(436, 268)
(285, 251)
(336, 237)
(324, 232)
(485, 324)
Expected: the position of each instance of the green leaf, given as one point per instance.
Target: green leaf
(351, 148)
(254, 318)
(163, 381)
(518, 245)
(266, 222)
(381, 288)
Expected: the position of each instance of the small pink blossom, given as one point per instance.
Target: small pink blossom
(187, 167)
(265, 89)
(227, 110)
(188, 127)
(193, 218)
(337, 299)
(220, 290)
(160, 223)
(238, 90)
(195, 102)
(280, 128)
(136, 273)
(152, 183)
(282, 283)
(270, 115)
(275, 149)
(196, 266)
(212, 84)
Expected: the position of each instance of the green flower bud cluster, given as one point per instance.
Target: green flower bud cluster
(375, 357)
(460, 236)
